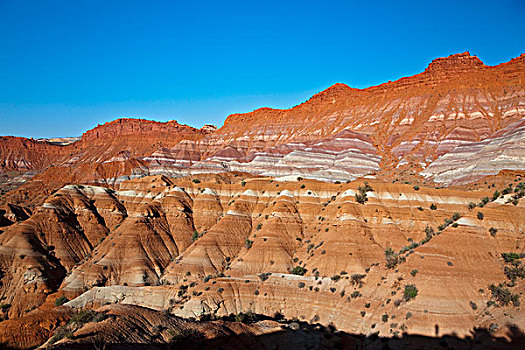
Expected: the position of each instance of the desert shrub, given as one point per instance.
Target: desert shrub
(264, 276)
(61, 333)
(414, 272)
(356, 278)
(335, 278)
(456, 216)
(480, 215)
(355, 294)
(391, 258)
(384, 318)
(433, 206)
(495, 195)
(471, 205)
(473, 305)
(510, 257)
(243, 183)
(416, 188)
(483, 202)
(298, 270)
(514, 272)
(248, 243)
(429, 231)
(61, 300)
(504, 296)
(83, 316)
(301, 285)
(259, 226)
(197, 181)
(195, 236)
(493, 231)
(361, 198)
(410, 292)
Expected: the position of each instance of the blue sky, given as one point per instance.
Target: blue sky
(66, 66)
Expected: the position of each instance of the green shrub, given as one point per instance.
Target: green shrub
(197, 181)
(391, 258)
(298, 270)
(514, 272)
(414, 272)
(480, 215)
(410, 292)
(416, 188)
(504, 296)
(195, 236)
(61, 333)
(248, 243)
(510, 257)
(61, 300)
(356, 278)
(433, 206)
(429, 231)
(246, 317)
(83, 316)
(493, 231)
(361, 198)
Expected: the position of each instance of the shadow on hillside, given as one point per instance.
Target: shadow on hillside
(319, 337)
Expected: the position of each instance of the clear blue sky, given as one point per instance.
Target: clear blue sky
(67, 65)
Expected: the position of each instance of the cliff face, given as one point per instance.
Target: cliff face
(403, 129)
(410, 122)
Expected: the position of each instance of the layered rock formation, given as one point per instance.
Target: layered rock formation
(398, 129)
(201, 248)
(271, 214)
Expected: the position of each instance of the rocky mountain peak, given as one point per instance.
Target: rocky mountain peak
(455, 63)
